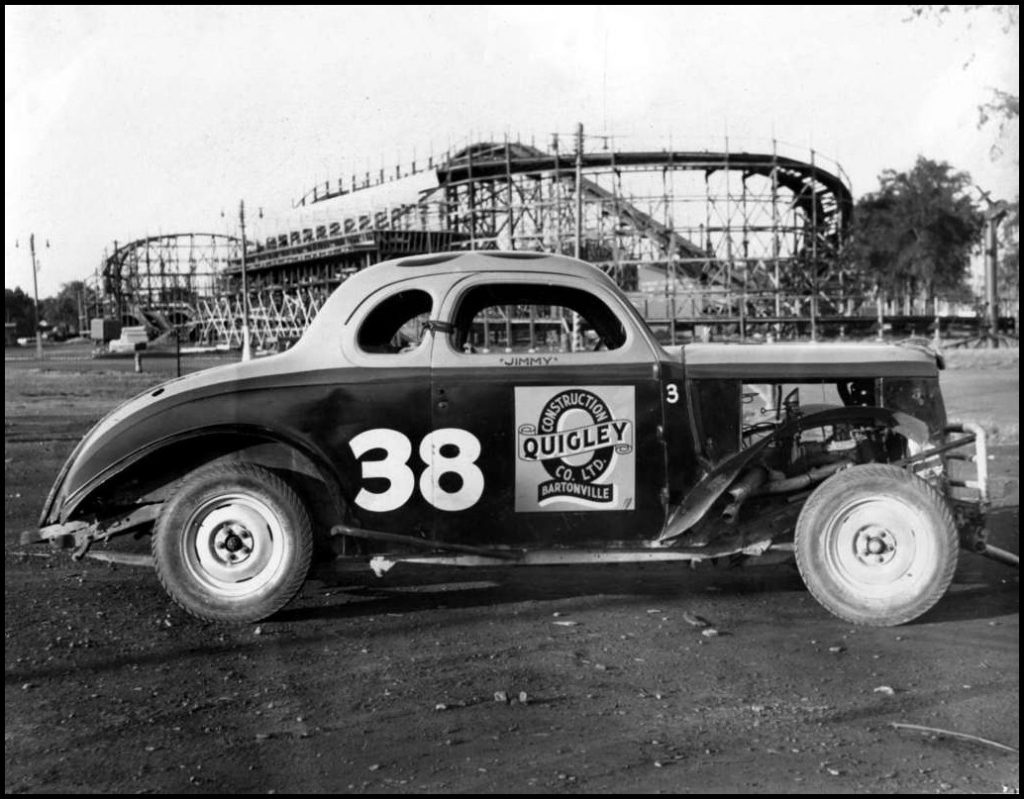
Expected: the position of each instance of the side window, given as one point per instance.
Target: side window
(396, 324)
(534, 318)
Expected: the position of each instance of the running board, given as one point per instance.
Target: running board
(425, 543)
(380, 564)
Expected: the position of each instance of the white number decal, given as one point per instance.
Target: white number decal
(394, 468)
(672, 393)
(463, 463)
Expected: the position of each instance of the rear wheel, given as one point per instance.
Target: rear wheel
(876, 545)
(233, 544)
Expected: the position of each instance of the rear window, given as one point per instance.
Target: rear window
(396, 324)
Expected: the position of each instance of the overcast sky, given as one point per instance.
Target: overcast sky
(124, 122)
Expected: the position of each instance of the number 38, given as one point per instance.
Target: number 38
(436, 452)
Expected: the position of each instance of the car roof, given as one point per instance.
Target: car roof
(807, 361)
(481, 261)
(423, 268)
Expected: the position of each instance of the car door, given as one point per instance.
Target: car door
(382, 411)
(546, 409)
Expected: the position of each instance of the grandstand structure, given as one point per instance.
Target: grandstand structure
(734, 240)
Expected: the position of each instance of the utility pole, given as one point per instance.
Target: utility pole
(83, 322)
(995, 214)
(35, 293)
(579, 190)
(246, 347)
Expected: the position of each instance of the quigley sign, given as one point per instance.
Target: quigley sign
(575, 439)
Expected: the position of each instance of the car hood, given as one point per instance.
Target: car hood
(804, 361)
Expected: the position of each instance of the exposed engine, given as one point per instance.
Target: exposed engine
(766, 495)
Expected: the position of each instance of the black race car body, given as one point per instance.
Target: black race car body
(489, 407)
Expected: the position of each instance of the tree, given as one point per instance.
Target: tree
(1001, 107)
(913, 237)
(63, 310)
(20, 309)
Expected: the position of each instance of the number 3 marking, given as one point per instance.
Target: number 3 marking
(397, 450)
(671, 393)
(394, 468)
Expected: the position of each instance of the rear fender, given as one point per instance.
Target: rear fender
(149, 474)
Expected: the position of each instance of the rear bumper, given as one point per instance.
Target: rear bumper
(81, 534)
(62, 535)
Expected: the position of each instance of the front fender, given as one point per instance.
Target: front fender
(699, 501)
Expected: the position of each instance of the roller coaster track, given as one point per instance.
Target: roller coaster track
(820, 194)
(703, 233)
(155, 281)
(487, 161)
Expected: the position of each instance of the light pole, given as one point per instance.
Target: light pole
(246, 347)
(35, 294)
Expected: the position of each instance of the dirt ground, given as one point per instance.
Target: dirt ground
(548, 680)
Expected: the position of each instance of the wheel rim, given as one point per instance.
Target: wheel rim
(234, 545)
(877, 544)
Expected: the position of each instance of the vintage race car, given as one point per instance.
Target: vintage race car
(497, 408)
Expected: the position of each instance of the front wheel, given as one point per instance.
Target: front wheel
(233, 544)
(876, 545)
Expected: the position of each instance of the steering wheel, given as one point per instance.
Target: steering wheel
(856, 392)
(760, 427)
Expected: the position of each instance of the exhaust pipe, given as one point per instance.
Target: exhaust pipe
(1001, 555)
(747, 485)
(806, 479)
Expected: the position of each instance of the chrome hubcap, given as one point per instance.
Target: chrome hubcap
(874, 543)
(234, 544)
(874, 546)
